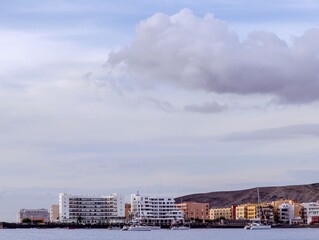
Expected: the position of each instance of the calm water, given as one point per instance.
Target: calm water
(198, 234)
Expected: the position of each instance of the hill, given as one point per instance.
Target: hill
(300, 193)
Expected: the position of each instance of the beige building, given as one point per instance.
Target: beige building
(298, 209)
(54, 213)
(215, 213)
(194, 210)
(241, 212)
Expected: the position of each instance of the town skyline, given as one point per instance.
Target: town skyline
(288, 205)
(171, 97)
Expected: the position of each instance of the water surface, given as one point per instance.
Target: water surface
(193, 234)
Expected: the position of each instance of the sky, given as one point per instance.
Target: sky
(164, 97)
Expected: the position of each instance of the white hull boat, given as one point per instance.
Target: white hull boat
(257, 225)
(180, 228)
(139, 228)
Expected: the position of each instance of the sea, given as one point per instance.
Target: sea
(164, 234)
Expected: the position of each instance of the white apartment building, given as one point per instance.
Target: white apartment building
(155, 210)
(91, 209)
(311, 211)
(286, 213)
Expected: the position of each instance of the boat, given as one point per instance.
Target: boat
(138, 222)
(180, 228)
(154, 227)
(257, 223)
(179, 225)
(139, 228)
(125, 228)
(114, 228)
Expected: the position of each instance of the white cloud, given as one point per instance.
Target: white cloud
(203, 53)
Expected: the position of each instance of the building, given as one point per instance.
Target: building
(251, 211)
(34, 215)
(217, 213)
(241, 212)
(127, 210)
(155, 210)
(194, 210)
(233, 212)
(54, 213)
(311, 212)
(91, 209)
(266, 211)
(286, 213)
(276, 205)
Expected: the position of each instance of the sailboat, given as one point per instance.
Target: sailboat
(176, 226)
(136, 223)
(256, 223)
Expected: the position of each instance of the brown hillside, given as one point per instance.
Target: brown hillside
(300, 193)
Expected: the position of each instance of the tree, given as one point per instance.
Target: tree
(26, 220)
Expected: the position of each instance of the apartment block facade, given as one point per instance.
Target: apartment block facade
(241, 212)
(217, 213)
(34, 215)
(194, 210)
(155, 210)
(311, 212)
(91, 209)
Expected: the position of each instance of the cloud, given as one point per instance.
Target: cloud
(207, 107)
(196, 53)
(288, 132)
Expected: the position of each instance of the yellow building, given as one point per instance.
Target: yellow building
(251, 211)
(241, 212)
(194, 210)
(215, 213)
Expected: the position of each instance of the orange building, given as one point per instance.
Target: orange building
(127, 210)
(194, 210)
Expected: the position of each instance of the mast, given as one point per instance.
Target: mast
(261, 210)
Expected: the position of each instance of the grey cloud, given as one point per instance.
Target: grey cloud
(295, 131)
(207, 107)
(204, 54)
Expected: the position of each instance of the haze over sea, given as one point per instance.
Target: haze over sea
(193, 234)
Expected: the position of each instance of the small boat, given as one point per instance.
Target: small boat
(256, 224)
(154, 227)
(113, 228)
(139, 228)
(125, 228)
(180, 228)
